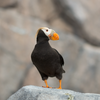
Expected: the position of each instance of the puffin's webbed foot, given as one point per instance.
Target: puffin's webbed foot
(59, 88)
(46, 87)
(46, 84)
(59, 85)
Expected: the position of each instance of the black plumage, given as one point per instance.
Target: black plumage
(47, 60)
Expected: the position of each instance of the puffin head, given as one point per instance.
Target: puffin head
(51, 34)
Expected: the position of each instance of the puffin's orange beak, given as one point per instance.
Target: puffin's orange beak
(55, 36)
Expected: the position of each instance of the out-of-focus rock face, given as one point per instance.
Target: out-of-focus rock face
(12, 72)
(44, 9)
(83, 9)
(83, 16)
(37, 8)
(6, 3)
(37, 93)
(87, 13)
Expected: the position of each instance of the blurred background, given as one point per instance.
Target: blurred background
(78, 24)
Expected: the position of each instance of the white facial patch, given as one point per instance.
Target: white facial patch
(47, 31)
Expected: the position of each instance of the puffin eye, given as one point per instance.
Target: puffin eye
(46, 30)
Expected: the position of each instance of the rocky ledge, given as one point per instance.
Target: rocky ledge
(39, 93)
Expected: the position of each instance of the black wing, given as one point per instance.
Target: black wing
(61, 58)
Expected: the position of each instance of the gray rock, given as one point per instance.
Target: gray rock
(39, 93)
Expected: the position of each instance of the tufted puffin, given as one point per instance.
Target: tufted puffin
(47, 60)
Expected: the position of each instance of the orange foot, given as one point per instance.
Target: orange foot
(59, 88)
(59, 85)
(46, 87)
(46, 84)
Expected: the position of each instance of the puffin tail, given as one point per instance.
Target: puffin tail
(63, 71)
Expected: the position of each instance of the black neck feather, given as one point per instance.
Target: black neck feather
(41, 37)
